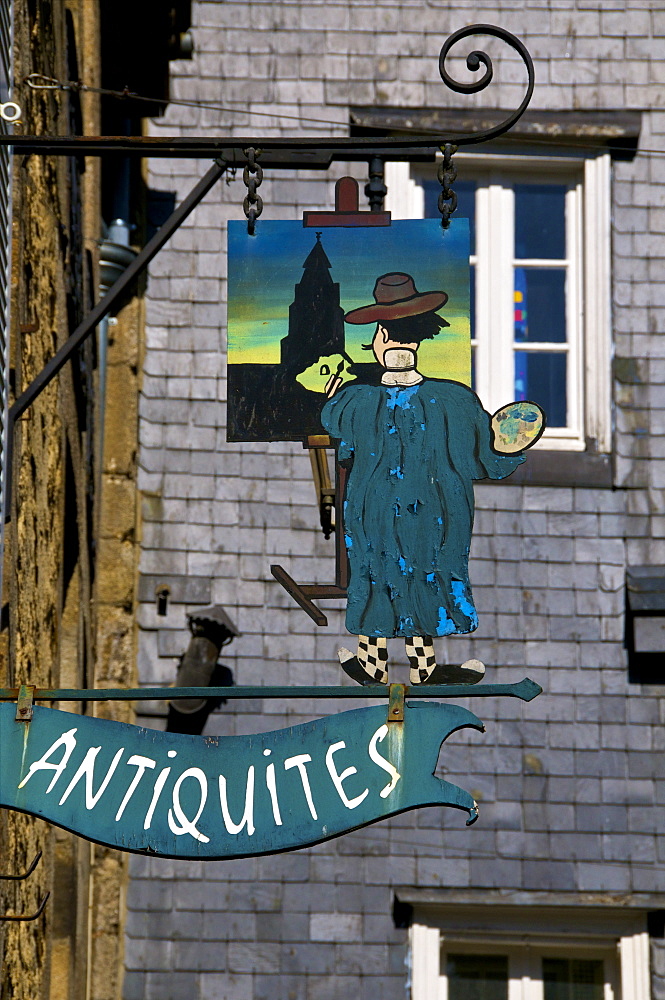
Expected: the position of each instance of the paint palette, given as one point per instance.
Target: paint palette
(517, 426)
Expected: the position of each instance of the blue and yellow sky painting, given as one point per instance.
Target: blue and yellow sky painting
(264, 269)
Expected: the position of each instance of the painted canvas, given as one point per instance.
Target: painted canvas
(293, 326)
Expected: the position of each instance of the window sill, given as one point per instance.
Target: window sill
(561, 468)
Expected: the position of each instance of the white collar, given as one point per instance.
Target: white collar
(400, 367)
(403, 377)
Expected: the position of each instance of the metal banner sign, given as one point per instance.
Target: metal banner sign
(194, 797)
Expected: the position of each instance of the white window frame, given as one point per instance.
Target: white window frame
(625, 956)
(588, 285)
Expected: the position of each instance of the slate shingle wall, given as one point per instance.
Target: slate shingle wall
(557, 814)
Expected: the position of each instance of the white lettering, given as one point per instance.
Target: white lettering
(248, 815)
(300, 762)
(379, 737)
(272, 788)
(187, 825)
(157, 791)
(87, 768)
(141, 763)
(68, 741)
(339, 778)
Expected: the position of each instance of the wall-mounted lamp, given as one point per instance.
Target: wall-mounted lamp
(211, 629)
(162, 594)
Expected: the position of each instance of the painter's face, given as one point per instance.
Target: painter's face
(382, 343)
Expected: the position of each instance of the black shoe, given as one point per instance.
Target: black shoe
(469, 672)
(352, 666)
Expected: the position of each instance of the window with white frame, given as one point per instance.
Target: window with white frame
(527, 972)
(587, 960)
(540, 282)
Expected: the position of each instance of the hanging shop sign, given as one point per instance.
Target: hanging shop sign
(352, 332)
(139, 790)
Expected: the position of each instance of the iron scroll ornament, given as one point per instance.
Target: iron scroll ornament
(473, 62)
(285, 152)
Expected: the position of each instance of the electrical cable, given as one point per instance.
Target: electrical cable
(54, 84)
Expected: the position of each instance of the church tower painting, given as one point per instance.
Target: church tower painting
(316, 318)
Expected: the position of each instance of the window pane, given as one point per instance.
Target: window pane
(540, 305)
(540, 221)
(466, 204)
(477, 977)
(541, 378)
(572, 979)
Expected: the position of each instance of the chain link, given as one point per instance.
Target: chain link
(252, 176)
(447, 174)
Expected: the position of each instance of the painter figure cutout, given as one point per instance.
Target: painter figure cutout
(415, 446)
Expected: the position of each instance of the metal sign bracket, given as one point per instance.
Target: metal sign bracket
(26, 694)
(21, 878)
(396, 702)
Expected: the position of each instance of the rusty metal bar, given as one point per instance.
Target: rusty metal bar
(286, 153)
(118, 289)
(103, 307)
(27, 916)
(26, 874)
(21, 878)
(310, 151)
(525, 690)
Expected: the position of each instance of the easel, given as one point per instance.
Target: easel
(346, 214)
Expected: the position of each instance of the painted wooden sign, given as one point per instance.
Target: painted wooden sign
(406, 423)
(290, 292)
(195, 797)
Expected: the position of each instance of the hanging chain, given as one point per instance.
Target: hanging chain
(252, 176)
(447, 174)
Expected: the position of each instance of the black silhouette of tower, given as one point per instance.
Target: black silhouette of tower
(316, 319)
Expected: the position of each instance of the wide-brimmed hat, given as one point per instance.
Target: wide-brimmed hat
(396, 298)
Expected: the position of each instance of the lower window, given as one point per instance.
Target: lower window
(495, 952)
(526, 973)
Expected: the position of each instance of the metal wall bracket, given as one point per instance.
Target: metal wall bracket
(20, 878)
(26, 694)
(26, 874)
(28, 916)
(87, 326)
(525, 690)
(306, 151)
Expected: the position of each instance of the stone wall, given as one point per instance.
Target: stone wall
(71, 616)
(35, 537)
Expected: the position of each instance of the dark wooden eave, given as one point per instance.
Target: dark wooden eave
(616, 131)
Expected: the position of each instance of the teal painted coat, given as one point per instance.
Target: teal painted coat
(409, 505)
